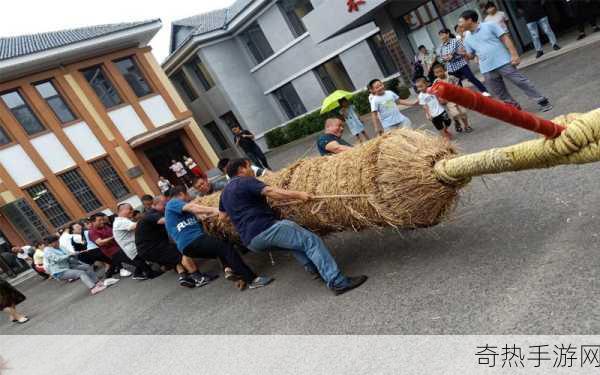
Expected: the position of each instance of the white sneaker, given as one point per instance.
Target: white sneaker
(124, 273)
(98, 288)
(110, 281)
(486, 94)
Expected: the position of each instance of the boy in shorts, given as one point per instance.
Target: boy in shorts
(456, 112)
(434, 111)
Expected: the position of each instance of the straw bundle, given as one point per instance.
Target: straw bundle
(388, 181)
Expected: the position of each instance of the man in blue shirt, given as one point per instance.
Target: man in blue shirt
(244, 201)
(498, 59)
(181, 220)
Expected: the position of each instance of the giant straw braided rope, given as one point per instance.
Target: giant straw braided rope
(410, 179)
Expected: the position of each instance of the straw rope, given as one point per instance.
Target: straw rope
(578, 144)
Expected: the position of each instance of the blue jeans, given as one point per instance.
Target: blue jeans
(308, 248)
(535, 35)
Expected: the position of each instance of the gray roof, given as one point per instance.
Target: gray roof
(210, 21)
(15, 46)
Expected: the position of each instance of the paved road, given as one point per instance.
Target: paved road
(520, 255)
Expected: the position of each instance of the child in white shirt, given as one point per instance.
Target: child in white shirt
(434, 111)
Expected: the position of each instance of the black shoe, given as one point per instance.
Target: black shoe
(186, 281)
(581, 36)
(210, 276)
(556, 47)
(353, 282)
(539, 54)
(595, 29)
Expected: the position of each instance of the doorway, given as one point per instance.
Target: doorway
(161, 153)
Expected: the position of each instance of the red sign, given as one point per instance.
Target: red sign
(353, 5)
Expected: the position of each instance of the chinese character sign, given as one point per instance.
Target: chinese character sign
(353, 5)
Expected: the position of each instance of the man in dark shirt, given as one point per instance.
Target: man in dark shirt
(331, 142)
(245, 140)
(536, 18)
(244, 202)
(153, 245)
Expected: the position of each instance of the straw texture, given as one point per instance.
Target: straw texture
(389, 182)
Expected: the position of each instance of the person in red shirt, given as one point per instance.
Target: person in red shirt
(101, 233)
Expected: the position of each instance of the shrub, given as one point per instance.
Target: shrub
(361, 102)
(276, 138)
(313, 122)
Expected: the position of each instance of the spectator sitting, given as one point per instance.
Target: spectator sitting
(64, 266)
(331, 142)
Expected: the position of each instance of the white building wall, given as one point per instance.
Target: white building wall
(361, 65)
(19, 166)
(127, 121)
(52, 152)
(84, 140)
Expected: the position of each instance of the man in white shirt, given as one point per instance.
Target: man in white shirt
(124, 235)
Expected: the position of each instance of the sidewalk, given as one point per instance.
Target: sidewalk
(284, 155)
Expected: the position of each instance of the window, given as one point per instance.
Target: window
(104, 88)
(294, 10)
(133, 75)
(230, 119)
(24, 115)
(48, 204)
(289, 100)
(201, 73)
(184, 85)
(4, 138)
(55, 101)
(25, 220)
(81, 190)
(382, 55)
(217, 135)
(333, 76)
(111, 178)
(257, 43)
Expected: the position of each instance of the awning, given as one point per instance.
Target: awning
(139, 140)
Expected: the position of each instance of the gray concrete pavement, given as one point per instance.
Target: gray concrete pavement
(520, 255)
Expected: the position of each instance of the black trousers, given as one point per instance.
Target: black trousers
(466, 73)
(213, 248)
(585, 11)
(141, 268)
(92, 256)
(165, 254)
(258, 157)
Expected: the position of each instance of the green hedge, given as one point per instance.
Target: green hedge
(313, 122)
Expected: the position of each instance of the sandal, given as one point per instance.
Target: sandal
(468, 129)
(21, 320)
